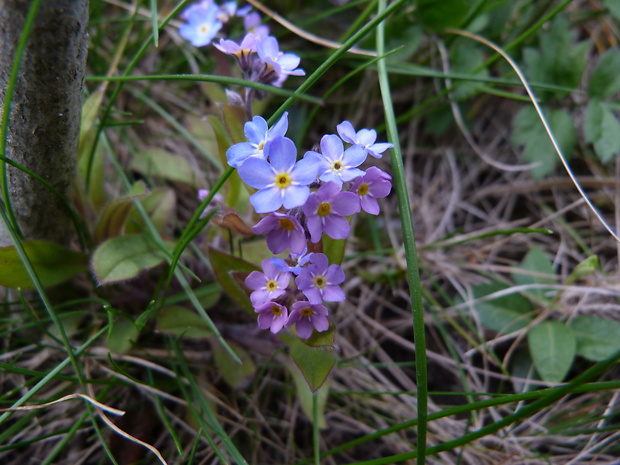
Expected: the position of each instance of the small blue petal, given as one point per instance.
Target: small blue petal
(282, 154)
(256, 173)
(266, 200)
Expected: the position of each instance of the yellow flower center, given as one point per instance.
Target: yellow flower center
(362, 189)
(324, 209)
(319, 281)
(283, 180)
(337, 166)
(277, 311)
(306, 312)
(204, 29)
(272, 285)
(287, 224)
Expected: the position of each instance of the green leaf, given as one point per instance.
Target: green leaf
(440, 15)
(552, 347)
(597, 338)
(334, 249)
(605, 78)
(231, 272)
(523, 367)
(315, 363)
(180, 321)
(52, 263)
(238, 377)
(535, 268)
(306, 396)
(585, 268)
(124, 335)
(112, 221)
(161, 164)
(602, 129)
(125, 257)
(160, 206)
(529, 132)
(466, 58)
(504, 314)
(614, 8)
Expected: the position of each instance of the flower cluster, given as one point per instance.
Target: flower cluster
(303, 200)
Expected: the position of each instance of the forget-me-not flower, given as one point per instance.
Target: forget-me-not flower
(268, 285)
(283, 231)
(320, 281)
(272, 316)
(364, 137)
(306, 316)
(326, 209)
(202, 24)
(259, 136)
(373, 185)
(282, 181)
(337, 164)
(279, 63)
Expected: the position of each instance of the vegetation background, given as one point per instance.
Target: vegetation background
(504, 116)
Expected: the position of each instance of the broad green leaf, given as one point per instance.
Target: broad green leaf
(440, 15)
(182, 322)
(528, 131)
(552, 347)
(466, 58)
(614, 8)
(160, 206)
(112, 221)
(522, 367)
(161, 164)
(536, 268)
(124, 335)
(230, 272)
(124, 257)
(334, 249)
(315, 363)
(602, 128)
(597, 338)
(605, 78)
(52, 263)
(504, 314)
(237, 376)
(306, 396)
(585, 268)
(323, 339)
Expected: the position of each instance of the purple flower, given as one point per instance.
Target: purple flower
(268, 285)
(306, 316)
(364, 137)
(242, 52)
(279, 65)
(227, 11)
(272, 316)
(326, 209)
(252, 23)
(374, 184)
(202, 23)
(282, 231)
(259, 136)
(318, 281)
(337, 164)
(295, 263)
(281, 181)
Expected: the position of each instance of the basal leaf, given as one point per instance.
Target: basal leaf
(440, 15)
(528, 131)
(160, 206)
(237, 376)
(123, 336)
(180, 321)
(552, 347)
(52, 262)
(602, 128)
(230, 272)
(536, 268)
(605, 78)
(503, 314)
(161, 164)
(124, 257)
(112, 221)
(597, 338)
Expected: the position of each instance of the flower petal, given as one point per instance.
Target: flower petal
(266, 200)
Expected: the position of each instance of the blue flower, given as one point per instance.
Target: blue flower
(364, 137)
(281, 181)
(278, 65)
(306, 316)
(326, 209)
(202, 23)
(337, 164)
(259, 136)
(320, 281)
